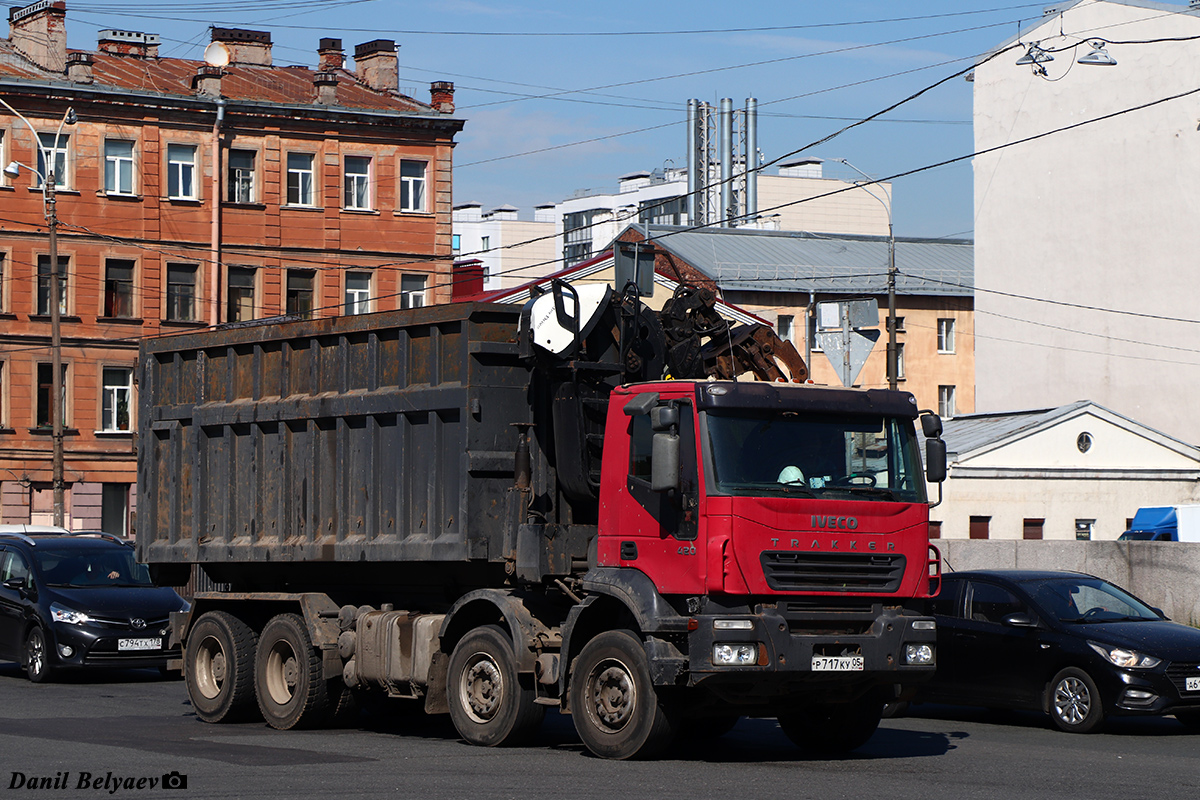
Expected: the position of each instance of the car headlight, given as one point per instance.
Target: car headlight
(735, 654)
(1124, 657)
(69, 615)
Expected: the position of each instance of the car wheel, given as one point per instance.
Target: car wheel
(1190, 719)
(219, 667)
(836, 728)
(1075, 704)
(490, 703)
(289, 680)
(37, 656)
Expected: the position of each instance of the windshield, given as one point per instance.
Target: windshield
(814, 455)
(1086, 600)
(99, 566)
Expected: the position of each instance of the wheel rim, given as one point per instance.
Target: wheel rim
(211, 667)
(1072, 701)
(481, 687)
(36, 653)
(611, 695)
(282, 672)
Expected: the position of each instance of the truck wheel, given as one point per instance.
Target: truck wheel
(834, 729)
(617, 712)
(489, 703)
(219, 667)
(1075, 704)
(37, 656)
(289, 676)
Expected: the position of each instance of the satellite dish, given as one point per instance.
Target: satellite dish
(216, 55)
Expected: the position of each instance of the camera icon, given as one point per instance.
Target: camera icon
(173, 780)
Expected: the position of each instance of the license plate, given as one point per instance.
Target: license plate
(139, 644)
(837, 663)
(1192, 684)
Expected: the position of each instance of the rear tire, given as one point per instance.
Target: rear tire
(834, 729)
(1075, 704)
(617, 711)
(289, 676)
(37, 656)
(490, 704)
(219, 667)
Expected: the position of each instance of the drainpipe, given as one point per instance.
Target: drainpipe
(214, 262)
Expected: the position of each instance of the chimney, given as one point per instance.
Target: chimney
(441, 96)
(330, 55)
(79, 67)
(207, 81)
(327, 84)
(39, 32)
(468, 280)
(376, 65)
(245, 47)
(129, 43)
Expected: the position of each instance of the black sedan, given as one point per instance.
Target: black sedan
(1069, 644)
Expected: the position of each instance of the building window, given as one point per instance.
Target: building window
(358, 183)
(358, 292)
(118, 288)
(58, 157)
(1032, 528)
(412, 291)
(945, 335)
(412, 185)
(45, 390)
(946, 407)
(181, 171)
(456, 242)
(114, 508)
(181, 292)
(578, 237)
(485, 243)
(118, 166)
(978, 527)
(241, 176)
(899, 361)
(669, 211)
(300, 179)
(1084, 529)
(118, 396)
(3, 405)
(935, 530)
(300, 293)
(43, 293)
(241, 294)
(784, 326)
(899, 324)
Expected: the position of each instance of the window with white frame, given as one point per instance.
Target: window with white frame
(412, 291)
(118, 166)
(118, 287)
(44, 281)
(181, 171)
(358, 292)
(117, 399)
(300, 179)
(181, 292)
(54, 145)
(945, 333)
(899, 361)
(358, 183)
(412, 185)
(946, 408)
(241, 176)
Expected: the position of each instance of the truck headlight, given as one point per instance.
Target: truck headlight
(918, 654)
(728, 655)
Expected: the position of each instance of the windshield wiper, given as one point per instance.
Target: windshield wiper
(880, 491)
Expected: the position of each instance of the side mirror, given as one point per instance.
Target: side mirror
(641, 404)
(1020, 620)
(16, 583)
(931, 425)
(663, 418)
(664, 471)
(935, 459)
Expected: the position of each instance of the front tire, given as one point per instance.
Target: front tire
(37, 656)
(490, 704)
(1075, 704)
(834, 729)
(617, 712)
(219, 667)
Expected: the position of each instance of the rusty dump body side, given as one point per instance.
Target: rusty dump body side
(349, 450)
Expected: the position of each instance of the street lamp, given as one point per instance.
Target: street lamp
(892, 371)
(49, 182)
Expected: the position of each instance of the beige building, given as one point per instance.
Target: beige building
(512, 251)
(1086, 237)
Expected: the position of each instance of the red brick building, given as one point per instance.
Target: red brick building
(192, 194)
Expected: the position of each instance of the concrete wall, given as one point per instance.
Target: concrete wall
(1164, 574)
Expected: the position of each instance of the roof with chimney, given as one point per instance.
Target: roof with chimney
(129, 62)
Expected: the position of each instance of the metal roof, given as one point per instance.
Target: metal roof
(789, 261)
(971, 432)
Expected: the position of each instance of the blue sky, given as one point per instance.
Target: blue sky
(606, 84)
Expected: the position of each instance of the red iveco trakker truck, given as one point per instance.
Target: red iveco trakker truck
(490, 510)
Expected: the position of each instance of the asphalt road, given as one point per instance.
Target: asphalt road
(135, 725)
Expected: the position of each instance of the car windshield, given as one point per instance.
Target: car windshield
(91, 566)
(1088, 600)
(815, 455)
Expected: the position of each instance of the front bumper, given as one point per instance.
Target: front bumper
(100, 646)
(1154, 693)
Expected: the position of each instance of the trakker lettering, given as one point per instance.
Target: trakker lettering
(843, 523)
(836, 544)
